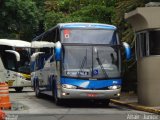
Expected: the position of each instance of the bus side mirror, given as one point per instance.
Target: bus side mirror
(33, 60)
(127, 50)
(15, 53)
(57, 51)
(34, 56)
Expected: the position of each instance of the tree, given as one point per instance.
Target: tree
(19, 19)
(57, 11)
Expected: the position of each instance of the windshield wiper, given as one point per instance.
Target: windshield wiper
(82, 64)
(100, 64)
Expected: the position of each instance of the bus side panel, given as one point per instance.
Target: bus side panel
(2, 70)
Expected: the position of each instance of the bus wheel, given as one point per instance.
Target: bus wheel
(106, 102)
(19, 89)
(103, 102)
(37, 91)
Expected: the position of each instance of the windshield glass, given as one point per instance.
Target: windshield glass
(89, 36)
(9, 60)
(24, 63)
(91, 62)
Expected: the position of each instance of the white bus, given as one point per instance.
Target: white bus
(15, 63)
(41, 60)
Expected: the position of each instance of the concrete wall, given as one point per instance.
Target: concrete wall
(144, 18)
(148, 71)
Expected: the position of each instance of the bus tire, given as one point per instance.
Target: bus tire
(19, 89)
(105, 102)
(37, 90)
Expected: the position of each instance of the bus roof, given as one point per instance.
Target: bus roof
(15, 43)
(78, 26)
(87, 26)
(41, 44)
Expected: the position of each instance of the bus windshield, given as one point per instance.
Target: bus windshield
(95, 62)
(90, 36)
(24, 63)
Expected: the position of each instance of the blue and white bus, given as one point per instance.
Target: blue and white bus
(84, 64)
(40, 68)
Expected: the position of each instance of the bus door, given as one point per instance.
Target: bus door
(46, 70)
(39, 68)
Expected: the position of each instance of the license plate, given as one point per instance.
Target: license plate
(91, 94)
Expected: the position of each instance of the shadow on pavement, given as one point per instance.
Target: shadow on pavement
(12, 90)
(78, 103)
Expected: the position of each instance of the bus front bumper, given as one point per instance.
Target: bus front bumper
(89, 94)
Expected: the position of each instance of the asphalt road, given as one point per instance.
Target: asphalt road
(25, 106)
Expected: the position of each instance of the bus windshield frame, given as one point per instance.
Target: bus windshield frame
(89, 36)
(23, 66)
(91, 61)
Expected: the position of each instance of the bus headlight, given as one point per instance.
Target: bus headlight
(114, 87)
(67, 86)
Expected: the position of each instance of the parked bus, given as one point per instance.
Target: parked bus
(41, 51)
(15, 63)
(85, 62)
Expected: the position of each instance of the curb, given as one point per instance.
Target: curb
(136, 107)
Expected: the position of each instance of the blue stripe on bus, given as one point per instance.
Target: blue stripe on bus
(32, 65)
(91, 83)
(108, 27)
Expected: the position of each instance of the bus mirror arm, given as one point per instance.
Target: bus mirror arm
(127, 51)
(15, 53)
(34, 56)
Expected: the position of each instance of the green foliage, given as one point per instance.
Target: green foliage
(123, 6)
(52, 18)
(100, 11)
(25, 18)
(94, 13)
(18, 18)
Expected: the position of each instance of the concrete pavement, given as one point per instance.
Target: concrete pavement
(131, 100)
(27, 107)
